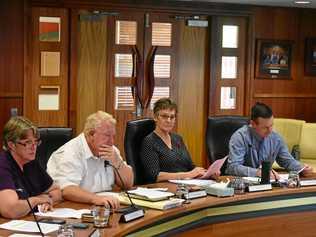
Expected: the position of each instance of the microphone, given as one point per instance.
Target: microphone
(133, 212)
(265, 172)
(20, 190)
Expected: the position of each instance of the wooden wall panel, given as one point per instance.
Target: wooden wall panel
(34, 81)
(11, 46)
(297, 108)
(192, 85)
(11, 59)
(92, 61)
(293, 98)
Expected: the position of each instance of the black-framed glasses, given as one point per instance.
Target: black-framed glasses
(30, 143)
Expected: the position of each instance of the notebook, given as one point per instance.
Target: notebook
(149, 194)
(159, 205)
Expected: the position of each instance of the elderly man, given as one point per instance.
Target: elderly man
(81, 166)
(252, 144)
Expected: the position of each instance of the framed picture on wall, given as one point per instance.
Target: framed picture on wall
(273, 59)
(310, 57)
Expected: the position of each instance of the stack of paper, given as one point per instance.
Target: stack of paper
(149, 194)
(220, 190)
(197, 182)
(64, 213)
(29, 226)
(160, 205)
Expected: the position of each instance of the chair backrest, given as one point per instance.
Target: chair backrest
(218, 133)
(52, 139)
(289, 129)
(307, 143)
(135, 132)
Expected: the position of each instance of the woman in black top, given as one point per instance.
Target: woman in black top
(21, 176)
(163, 154)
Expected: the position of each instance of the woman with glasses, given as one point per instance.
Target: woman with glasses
(163, 153)
(22, 179)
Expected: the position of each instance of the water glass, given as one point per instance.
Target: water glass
(293, 180)
(66, 231)
(183, 192)
(101, 216)
(239, 185)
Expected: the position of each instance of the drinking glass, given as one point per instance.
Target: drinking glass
(101, 216)
(238, 184)
(293, 180)
(66, 231)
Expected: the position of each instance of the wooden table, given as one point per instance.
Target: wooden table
(280, 212)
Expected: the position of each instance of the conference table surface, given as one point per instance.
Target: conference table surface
(244, 213)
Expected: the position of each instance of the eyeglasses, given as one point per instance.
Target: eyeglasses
(30, 143)
(166, 117)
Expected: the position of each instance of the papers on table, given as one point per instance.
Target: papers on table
(197, 182)
(29, 226)
(256, 180)
(220, 189)
(214, 168)
(159, 205)
(23, 235)
(64, 213)
(283, 178)
(149, 194)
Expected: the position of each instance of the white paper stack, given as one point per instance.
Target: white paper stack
(29, 226)
(149, 194)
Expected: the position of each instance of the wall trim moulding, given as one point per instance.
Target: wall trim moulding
(277, 95)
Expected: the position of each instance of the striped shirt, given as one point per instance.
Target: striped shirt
(247, 150)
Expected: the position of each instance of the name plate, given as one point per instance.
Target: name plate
(195, 194)
(309, 182)
(259, 187)
(132, 214)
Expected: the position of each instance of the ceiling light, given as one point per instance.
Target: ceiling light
(302, 2)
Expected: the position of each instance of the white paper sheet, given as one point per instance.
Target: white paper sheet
(23, 235)
(29, 226)
(151, 194)
(283, 178)
(64, 213)
(198, 182)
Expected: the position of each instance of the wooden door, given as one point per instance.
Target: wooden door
(228, 65)
(143, 31)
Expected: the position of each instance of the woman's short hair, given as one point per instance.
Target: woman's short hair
(94, 120)
(16, 129)
(164, 103)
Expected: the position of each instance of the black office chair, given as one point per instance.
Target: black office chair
(218, 132)
(52, 139)
(135, 132)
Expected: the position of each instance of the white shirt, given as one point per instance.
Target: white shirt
(74, 164)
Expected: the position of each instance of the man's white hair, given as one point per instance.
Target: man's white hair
(94, 120)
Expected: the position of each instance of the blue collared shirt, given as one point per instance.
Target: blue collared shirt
(247, 150)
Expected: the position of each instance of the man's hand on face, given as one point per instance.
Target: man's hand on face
(106, 152)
